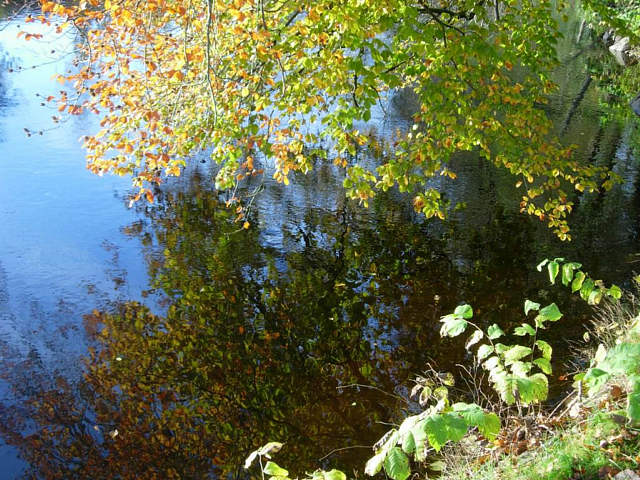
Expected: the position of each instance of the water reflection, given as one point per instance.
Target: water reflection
(246, 336)
(256, 343)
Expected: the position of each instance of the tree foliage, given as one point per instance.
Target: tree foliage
(257, 83)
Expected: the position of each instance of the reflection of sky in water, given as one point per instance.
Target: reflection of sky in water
(54, 215)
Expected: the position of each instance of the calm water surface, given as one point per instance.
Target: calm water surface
(160, 341)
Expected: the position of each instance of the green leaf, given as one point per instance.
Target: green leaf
(484, 351)
(595, 379)
(490, 427)
(549, 313)
(396, 465)
(521, 368)
(529, 305)
(452, 326)
(419, 433)
(456, 427)
(542, 264)
(577, 282)
(505, 386)
(525, 329)
(633, 401)
(545, 348)
(465, 311)
(623, 359)
(567, 272)
(586, 289)
(273, 469)
(515, 353)
(488, 423)
(595, 296)
(544, 364)
(409, 443)
(334, 475)
(494, 331)
(374, 464)
(553, 269)
(614, 292)
(436, 431)
(532, 389)
(473, 339)
(443, 428)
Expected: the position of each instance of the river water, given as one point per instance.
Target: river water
(161, 342)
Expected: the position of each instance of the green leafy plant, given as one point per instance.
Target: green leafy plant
(622, 361)
(432, 429)
(509, 366)
(518, 372)
(592, 291)
(510, 372)
(276, 472)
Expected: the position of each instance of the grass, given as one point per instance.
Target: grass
(595, 447)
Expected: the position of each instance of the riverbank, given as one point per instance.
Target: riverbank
(593, 434)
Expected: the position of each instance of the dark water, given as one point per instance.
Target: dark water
(197, 341)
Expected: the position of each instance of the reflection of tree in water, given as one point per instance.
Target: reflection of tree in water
(255, 342)
(243, 355)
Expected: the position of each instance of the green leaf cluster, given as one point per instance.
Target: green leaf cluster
(432, 429)
(276, 472)
(623, 360)
(591, 291)
(510, 366)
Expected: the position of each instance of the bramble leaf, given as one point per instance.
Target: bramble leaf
(545, 348)
(515, 353)
(549, 313)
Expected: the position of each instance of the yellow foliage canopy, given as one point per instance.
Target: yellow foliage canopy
(248, 80)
